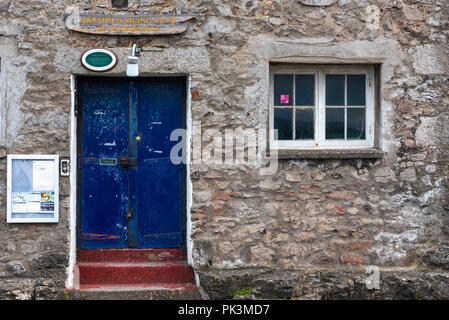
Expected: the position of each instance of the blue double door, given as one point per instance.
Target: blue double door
(130, 194)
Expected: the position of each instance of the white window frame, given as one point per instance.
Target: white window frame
(55, 217)
(320, 142)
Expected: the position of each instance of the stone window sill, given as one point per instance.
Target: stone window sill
(330, 154)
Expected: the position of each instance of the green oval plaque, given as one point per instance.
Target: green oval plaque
(99, 60)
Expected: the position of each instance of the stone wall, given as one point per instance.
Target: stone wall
(308, 231)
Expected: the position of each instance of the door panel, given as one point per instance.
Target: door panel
(104, 184)
(160, 183)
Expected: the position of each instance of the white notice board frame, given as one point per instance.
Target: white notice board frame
(36, 217)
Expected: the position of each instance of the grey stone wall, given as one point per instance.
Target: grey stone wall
(310, 230)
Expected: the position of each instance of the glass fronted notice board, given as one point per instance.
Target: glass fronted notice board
(33, 189)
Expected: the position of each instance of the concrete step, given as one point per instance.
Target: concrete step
(136, 292)
(129, 273)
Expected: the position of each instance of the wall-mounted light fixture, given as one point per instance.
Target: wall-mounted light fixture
(132, 68)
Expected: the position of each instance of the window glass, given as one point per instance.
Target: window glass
(305, 90)
(283, 122)
(356, 90)
(305, 124)
(356, 123)
(22, 175)
(283, 89)
(335, 123)
(335, 90)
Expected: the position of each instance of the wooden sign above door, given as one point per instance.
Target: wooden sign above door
(127, 25)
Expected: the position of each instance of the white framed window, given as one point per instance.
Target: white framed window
(322, 107)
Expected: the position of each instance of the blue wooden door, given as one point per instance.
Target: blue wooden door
(131, 195)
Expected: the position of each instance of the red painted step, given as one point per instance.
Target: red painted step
(135, 273)
(133, 267)
(131, 255)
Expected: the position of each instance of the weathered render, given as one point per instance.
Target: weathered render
(310, 230)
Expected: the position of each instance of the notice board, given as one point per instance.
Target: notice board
(33, 189)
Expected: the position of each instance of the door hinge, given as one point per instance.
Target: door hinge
(129, 213)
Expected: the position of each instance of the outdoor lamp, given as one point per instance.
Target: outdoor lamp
(132, 68)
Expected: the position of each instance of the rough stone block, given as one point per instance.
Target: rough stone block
(119, 3)
(317, 3)
(430, 59)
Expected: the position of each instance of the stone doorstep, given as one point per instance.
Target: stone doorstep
(134, 292)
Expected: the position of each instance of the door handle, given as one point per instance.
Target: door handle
(139, 137)
(126, 162)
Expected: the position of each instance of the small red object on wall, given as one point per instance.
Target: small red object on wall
(195, 94)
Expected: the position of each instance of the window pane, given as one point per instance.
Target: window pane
(283, 89)
(22, 175)
(356, 123)
(335, 123)
(356, 90)
(335, 90)
(305, 90)
(283, 122)
(305, 124)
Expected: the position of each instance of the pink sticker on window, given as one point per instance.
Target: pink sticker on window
(285, 99)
